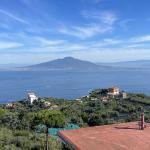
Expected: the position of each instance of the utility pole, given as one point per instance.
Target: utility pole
(46, 142)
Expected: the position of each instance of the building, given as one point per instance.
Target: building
(104, 99)
(114, 91)
(124, 136)
(124, 95)
(32, 97)
(94, 99)
(54, 107)
(47, 104)
(10, 105)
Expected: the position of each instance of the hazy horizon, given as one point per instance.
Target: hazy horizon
(104, 62)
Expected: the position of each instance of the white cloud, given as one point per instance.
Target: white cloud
(85, 31)
(107, 42)
(137, 45)
(107, 49)
(7, 45)
(100, 22)
(106, 17)
(47, 42)
(108, 55)
(12, 16)
(145, 38)
(101, 55)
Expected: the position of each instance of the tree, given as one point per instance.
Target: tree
(51, 118)
(10, 120)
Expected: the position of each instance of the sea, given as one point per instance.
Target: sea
(14, 85)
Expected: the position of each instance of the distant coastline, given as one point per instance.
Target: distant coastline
(71, 63)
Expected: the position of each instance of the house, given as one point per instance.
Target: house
(114, 91)
(124, 95)
(54, 107)
(47, 104)
(79, 100)
(10, 105)
(32, 97)
(123, 136)
(94, 99)
(104, 99)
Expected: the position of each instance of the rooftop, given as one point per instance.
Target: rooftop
(124, 136)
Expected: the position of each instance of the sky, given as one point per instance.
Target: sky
(33, 31)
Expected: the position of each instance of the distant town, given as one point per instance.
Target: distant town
(103, 95)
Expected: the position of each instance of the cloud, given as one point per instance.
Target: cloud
(109, 55)
(12, 16)
(100, 22)
(99, 55)
(85, 31)
(104, 49)
(106, 42)
(47, 42)
(45, 49)
(138, 45)
(106, 17)
(145, 38)
(7, 45)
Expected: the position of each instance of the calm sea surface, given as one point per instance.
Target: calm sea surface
(66, 84)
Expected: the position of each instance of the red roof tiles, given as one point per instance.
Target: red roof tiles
(125, 136)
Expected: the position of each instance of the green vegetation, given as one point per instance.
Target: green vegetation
(25, 140)
(51, 118)
(18, 123)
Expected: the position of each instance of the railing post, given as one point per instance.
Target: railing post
(46, 142)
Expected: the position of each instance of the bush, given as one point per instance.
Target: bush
(19, 140)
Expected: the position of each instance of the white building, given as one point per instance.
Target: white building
(54, 107)
(47, 104)
(32, 97)
(124, 95)
(10, 105)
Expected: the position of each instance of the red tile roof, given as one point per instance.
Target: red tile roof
(124, 136)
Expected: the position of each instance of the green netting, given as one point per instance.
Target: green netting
(53, 131)
(40, 128)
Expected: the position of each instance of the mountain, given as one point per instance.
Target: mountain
(67, 63)
(129, 64)
(70, 63)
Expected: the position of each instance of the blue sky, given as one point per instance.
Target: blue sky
(33, 31)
